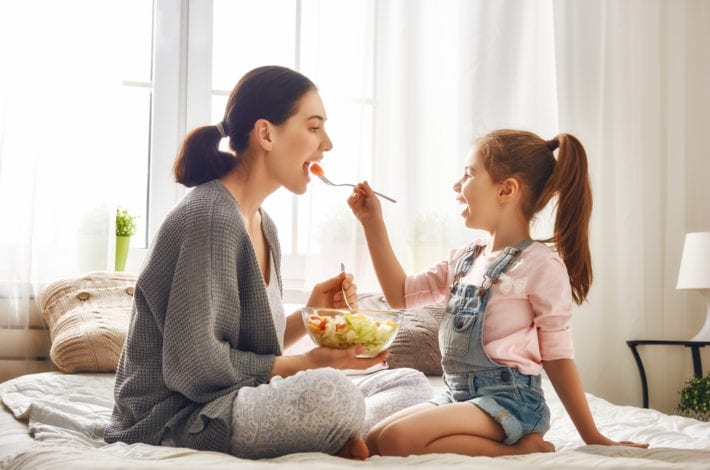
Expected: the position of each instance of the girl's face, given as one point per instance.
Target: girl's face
(298, 142)
(477, 194)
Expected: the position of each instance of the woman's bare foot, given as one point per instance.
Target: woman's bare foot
(354, 448)
(534, 442)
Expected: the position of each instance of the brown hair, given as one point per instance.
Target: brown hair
(529, 159)
(270, 92)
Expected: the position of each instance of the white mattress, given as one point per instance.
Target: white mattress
(54, 420)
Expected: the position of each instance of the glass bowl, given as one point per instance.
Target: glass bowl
(341, 328)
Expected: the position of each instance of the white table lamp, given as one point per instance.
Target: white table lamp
(695, 273)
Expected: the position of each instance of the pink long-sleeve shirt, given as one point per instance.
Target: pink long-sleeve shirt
(529, 310)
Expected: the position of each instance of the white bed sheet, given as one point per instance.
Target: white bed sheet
(59, 419)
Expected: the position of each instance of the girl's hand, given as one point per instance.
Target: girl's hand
(343, 358)
(329, 292)
(605, 441)
(364, 203)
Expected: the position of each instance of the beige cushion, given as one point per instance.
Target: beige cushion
(88, 320)
(417, 342)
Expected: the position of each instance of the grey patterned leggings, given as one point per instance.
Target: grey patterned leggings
(318, 410)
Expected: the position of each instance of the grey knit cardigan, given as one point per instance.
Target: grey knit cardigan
(201, 327)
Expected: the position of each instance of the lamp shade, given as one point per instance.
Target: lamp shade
(694, 270)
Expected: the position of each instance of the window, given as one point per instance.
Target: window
(136, 98)
(200, 50)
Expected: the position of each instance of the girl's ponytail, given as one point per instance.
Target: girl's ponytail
(570, 183)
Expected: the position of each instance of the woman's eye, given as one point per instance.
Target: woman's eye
(314, 129)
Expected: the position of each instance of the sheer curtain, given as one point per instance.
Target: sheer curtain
(443, 73)
(59, 158)
(632, 83)
(628, 78)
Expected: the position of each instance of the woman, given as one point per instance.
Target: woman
(203, 366)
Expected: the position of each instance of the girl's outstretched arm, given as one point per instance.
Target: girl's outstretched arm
(565, 378)
(366, 207)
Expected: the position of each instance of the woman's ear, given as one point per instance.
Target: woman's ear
(262, 134)
(509, 190)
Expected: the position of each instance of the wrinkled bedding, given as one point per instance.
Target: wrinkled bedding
(54, 420)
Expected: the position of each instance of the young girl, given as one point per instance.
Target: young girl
(509, 302)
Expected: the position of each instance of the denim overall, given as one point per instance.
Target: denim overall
(513, 399)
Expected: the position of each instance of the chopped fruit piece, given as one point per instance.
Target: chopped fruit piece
(317, 170)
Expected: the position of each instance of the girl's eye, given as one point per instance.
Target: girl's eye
(314, 129)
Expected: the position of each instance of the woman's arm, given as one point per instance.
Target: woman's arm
(390, 274)
(295, 329)
(565, 378)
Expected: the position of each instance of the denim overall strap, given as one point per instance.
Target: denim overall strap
(501, 264)
(463, 265)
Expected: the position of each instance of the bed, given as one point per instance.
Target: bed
(56, 419)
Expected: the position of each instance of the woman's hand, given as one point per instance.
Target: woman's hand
(365, 204)
(329, 293)
(325, 357)
(343, 358)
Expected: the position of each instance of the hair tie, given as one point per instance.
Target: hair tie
(220, 128)
(552, 144)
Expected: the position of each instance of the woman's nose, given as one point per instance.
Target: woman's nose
(327, 143)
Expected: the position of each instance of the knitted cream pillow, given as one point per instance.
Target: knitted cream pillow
(88, 320)
(417, 343)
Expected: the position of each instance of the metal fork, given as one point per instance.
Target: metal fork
(345, 297)
(327, 181)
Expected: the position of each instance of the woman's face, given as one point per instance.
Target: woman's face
(477, 195)
(298, 142)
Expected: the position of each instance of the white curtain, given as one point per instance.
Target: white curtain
(444, 72)
(629, 78)
(58, 151)
(633, 84)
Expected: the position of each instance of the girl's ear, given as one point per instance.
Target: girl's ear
(262, 134)
(508, 190)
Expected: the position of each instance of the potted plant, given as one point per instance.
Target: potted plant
(125, 228)
(695, 398)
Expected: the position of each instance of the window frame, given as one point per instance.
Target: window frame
(181, 100)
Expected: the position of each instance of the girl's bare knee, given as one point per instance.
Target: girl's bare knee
(392, 441)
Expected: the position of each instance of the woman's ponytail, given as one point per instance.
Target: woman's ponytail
(199, 159)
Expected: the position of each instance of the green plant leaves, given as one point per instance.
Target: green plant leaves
(125, 223)
(695, 397)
